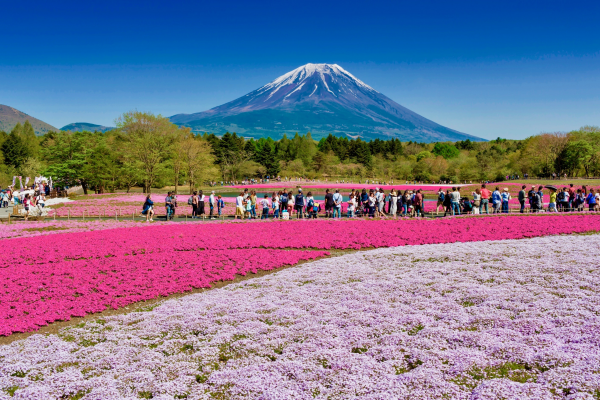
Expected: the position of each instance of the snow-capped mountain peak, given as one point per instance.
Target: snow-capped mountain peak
(301, 74)
(322, 99)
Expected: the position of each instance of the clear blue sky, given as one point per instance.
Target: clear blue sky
(508, 69)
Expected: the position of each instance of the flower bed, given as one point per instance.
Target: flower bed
(73, 274)
(506, 319)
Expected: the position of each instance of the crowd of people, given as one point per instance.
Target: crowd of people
(377, 203)
(28, 197)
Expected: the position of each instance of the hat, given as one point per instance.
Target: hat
(506, 189)
(299, 189)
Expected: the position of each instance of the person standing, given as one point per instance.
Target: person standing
(505, 198)
(393, 203)
(485, 199)
(212, 203)
(265, 207)
(476, 201)
(239, 206)
(201, 199)
(220, 205)
(275, 201)
(284, 202)
(591, 200)
(540, 197)
(194, 200)
(572, 196)
(372, 203)
(351, 206)
(440, 201)
(522, 196)
(496, 200)
(168, 206)
(328, 204)
(418, 203)
(299, 204)
(455, 201)
(337, 204)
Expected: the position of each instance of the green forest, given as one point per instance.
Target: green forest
(148, 151)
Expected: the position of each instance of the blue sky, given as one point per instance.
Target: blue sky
(508, 69)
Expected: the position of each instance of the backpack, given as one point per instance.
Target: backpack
(191, 200)
(441, 197)
(284, 198)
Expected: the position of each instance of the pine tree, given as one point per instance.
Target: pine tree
(15, 152)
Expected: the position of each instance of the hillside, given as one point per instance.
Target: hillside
(322, 99)
(9, 117)
(85, 126)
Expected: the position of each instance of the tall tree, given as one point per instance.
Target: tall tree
(14, 150)
(148, 140)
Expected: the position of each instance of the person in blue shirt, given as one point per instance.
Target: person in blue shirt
(496, 200)
(148, 209)
(591, 200)
(505, 196)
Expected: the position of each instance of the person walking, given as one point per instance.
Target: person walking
(337, 204)
(485, 199)
(440, 201)
(148, 209)
(522, 196)
(552, 204)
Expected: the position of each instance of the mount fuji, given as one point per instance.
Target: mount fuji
(321, 99)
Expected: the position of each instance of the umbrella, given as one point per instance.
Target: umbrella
(551, 187)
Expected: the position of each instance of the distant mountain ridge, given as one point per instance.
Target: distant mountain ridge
(321, 99)
(9, 117)
(86, 126)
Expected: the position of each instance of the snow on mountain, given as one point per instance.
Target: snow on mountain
(321, 99)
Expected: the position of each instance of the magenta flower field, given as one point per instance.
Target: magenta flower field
(78, 273)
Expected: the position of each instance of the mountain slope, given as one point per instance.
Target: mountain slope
(85, 126)
(9, 117)
(322, 99)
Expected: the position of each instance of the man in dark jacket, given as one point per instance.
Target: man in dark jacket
(522, 196)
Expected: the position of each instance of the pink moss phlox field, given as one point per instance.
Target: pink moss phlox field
(76, 283)
(84, 272)
(514, 320)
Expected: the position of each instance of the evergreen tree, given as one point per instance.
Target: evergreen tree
(30, 140)
(14, 150)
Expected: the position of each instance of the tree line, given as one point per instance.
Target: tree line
(149, 151)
